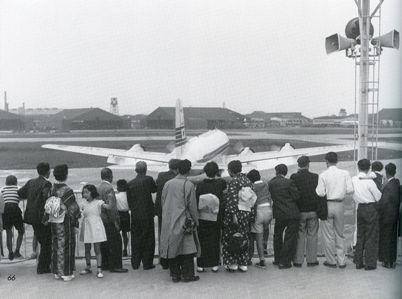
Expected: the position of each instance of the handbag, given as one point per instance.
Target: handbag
(189, 225)
(322, 207)
(237, 243)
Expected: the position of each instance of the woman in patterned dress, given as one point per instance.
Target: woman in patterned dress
(235, 220)
(63, 234)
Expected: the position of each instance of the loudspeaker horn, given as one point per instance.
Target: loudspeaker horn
(336, 42)
(389, 40)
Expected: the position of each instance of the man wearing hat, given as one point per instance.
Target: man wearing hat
(139, 198)
(306, 182)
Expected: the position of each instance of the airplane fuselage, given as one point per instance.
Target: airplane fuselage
(209, 146)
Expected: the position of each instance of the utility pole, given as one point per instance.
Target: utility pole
(364, 24)
(359, 32)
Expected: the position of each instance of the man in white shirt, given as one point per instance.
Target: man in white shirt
(334, 183)
(366, 196)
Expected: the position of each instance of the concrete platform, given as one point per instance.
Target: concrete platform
(315, 282)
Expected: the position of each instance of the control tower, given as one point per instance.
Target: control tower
(114, 106)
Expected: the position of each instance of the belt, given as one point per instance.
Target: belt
(367, 203)
(335, 200)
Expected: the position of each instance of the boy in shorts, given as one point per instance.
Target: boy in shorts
(124, 214)
(12, 216)
(263, 218)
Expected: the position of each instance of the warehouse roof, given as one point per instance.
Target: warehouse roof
(210, 113)
(8, 115)
(86, 114)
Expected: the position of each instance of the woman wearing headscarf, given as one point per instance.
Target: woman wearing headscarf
(209, 194)
(63, 212)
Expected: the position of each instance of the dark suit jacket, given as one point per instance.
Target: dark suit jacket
(163, 177)
(36, 192)
(284, 196)
(139, 196)
(107, 194)
(306, 182)
(390, 202)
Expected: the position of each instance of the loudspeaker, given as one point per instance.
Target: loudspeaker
(336, 42)
(389, 40)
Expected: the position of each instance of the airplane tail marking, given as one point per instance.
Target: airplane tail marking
(181, 138)
(180, 130)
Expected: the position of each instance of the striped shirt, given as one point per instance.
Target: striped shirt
(10, 194)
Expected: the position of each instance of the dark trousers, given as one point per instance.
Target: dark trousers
(388, 241)
(44, 237)
(112, 249)
(285, 247)
(162, 261)
(142, 242)
(182, 266)
(367, 235)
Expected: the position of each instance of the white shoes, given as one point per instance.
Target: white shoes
(215, 269)
(99, 275)
(231, 268)
(199, 269)
(86, 271)
(68, 278)
(243, 268)
(57, 276)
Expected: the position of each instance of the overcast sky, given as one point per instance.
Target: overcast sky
(251, 55)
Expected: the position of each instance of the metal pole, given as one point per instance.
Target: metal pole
(364, 24)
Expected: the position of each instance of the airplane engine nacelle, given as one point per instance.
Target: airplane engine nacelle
(137, 148)
(246, 152)
(287, 147)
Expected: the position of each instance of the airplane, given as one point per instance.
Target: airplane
(210, 146)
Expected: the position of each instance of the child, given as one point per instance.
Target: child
(92, 229)
(122, 207)
(263, 208)
(12, 216)
(376, 175)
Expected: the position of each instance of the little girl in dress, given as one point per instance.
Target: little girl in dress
(92, 229)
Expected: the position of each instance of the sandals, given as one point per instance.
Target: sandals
(231, 269)
(86, 271)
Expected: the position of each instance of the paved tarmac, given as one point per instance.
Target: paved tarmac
(19, 280)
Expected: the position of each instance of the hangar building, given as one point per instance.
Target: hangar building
(390, 117)
(195, 118)
(275, 119)
(86, 119)
(11, 122)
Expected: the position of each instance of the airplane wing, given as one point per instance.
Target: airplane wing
(287, 155)
(287, 151)
(116, 156)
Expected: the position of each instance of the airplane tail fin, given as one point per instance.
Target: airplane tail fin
(180, 131)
